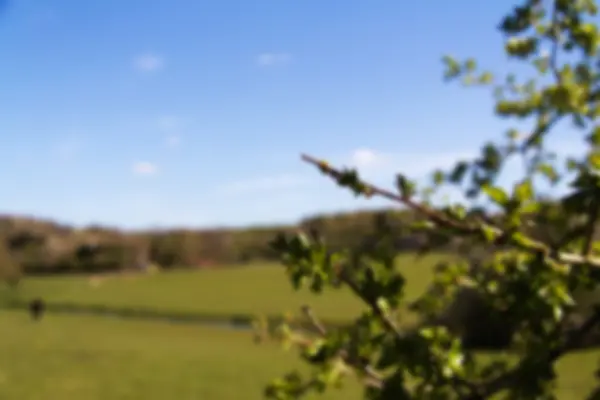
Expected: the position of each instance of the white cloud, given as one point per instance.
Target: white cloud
(144, 168)
(148, 62)
(277, 182)
(380, 165)
(273, 59)
(367, 158)
(374, 166)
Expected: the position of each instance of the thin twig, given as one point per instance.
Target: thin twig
(461, 226)
(556, 36)
(539, 131)
(421, 208)
(314, 321)
(383, 316)
(373, 378)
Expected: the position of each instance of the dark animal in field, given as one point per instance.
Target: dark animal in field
(37, 308)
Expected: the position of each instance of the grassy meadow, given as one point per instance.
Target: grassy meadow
(250, 290)
(84, 357)
(98, 357)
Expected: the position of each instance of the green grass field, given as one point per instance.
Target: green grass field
(98, 357)
(94, 358)
(250, 290)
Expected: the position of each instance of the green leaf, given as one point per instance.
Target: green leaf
(520, 239)
(521, 47)
(524, 191)
(594, 136)
(593, 160)
(489, 233)
(470, 65)
(557, 313)
(512, 134)
(486, 78)
(453, 69)
(438, 177)
(548, 172)
(542, 65)
(458, 173)
(406, 187)
(383, 305)
(496, 194)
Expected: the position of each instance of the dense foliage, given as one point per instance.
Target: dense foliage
(528, 280)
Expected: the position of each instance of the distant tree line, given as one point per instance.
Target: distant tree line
(34, 246)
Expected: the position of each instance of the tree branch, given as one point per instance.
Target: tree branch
(556, 38)
(459, 226)
(391, 326)
(384, 317)
(373, 377)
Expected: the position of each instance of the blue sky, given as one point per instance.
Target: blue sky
(146, 113)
